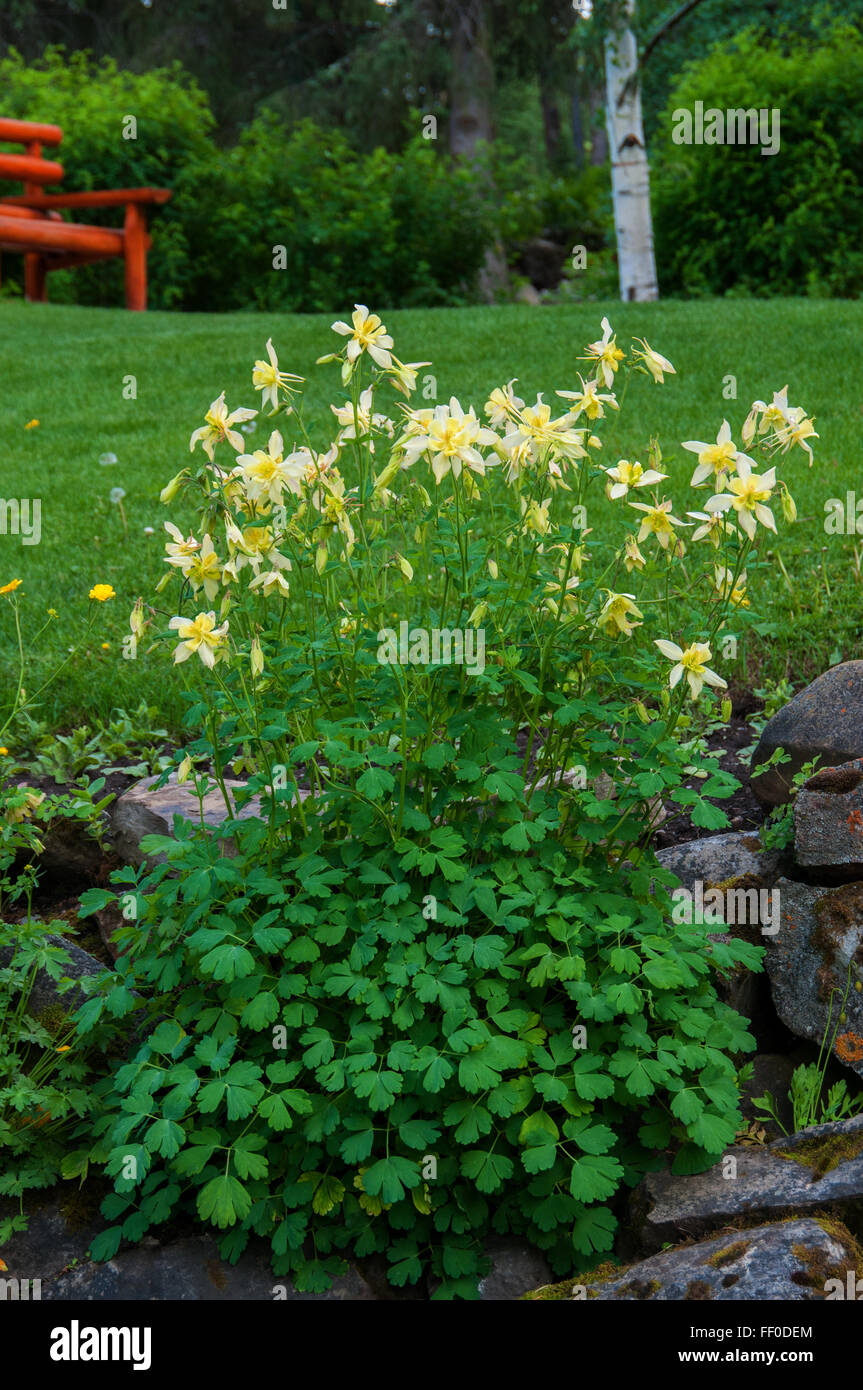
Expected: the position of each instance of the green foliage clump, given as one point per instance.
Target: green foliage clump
(398, 229)
(731, 220)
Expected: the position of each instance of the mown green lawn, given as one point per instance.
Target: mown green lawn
(66, 367)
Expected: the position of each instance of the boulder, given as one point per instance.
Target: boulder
(828, 821)
(515, 1268)
(815, 962)
(59, 1231)
(190, 1268)
(816, 1169)
(542, 261)
(719, 858)
(825, 720)
(45, 992)
(790, 1260)
(147, 809)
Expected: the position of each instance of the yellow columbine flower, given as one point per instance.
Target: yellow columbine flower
(11, 586)
(536, 517)
(714, 527)
(503, 404)
(101, 592)
(748, 493)
(655, 363)
(198, 635)
(626, 475)
(632, 556)
(266, 377)
(588, 400)
(203, 570)
(367, 334)
(723, 583)
(796, 431)
(715, 461)
(606, 354)
(691, 662)
(450, 438)
(659, 522)
(614, 618)
(267, 473)
(218, 425)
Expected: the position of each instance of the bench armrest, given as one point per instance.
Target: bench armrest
(109, 198)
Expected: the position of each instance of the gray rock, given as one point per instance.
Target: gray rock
(818, 1168)
(825, 720)
(828, 819)
(146, 809)
(53, 1238)
(718, 858)
(190, 1269)
(515, 1268)
(815, 961)
(45, 991)
(790, 1260)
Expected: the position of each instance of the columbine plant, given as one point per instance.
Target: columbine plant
(437, 987)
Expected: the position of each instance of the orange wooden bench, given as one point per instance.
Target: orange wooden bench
(31, 222)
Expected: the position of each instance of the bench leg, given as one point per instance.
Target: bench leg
(34, 278)
(135, 255)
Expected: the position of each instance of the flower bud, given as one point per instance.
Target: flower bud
(256, 658)
(492, 568)
(170, 490)
(184, 769)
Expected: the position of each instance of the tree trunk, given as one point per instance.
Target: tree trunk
(472, 79)
(630, 171)
(471, 92)
(550, 121)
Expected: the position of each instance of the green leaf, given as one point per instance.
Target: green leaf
(488, 1169)
(224, 1201)
(594, 1178)
(389, 1177)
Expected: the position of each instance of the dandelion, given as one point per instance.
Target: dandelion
(4, 752)
(267, 378)
(65, 1048)
(32, 425)
(691, 662)
(108, 460)
(101, 593)
(199, 635)
(11, 586)
(106, 646)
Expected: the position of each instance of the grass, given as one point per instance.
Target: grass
(67, 367)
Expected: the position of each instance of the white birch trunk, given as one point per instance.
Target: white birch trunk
(630, 171)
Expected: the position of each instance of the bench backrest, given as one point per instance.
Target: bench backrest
(29, 168)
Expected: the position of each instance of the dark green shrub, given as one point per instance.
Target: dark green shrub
(729, 219)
